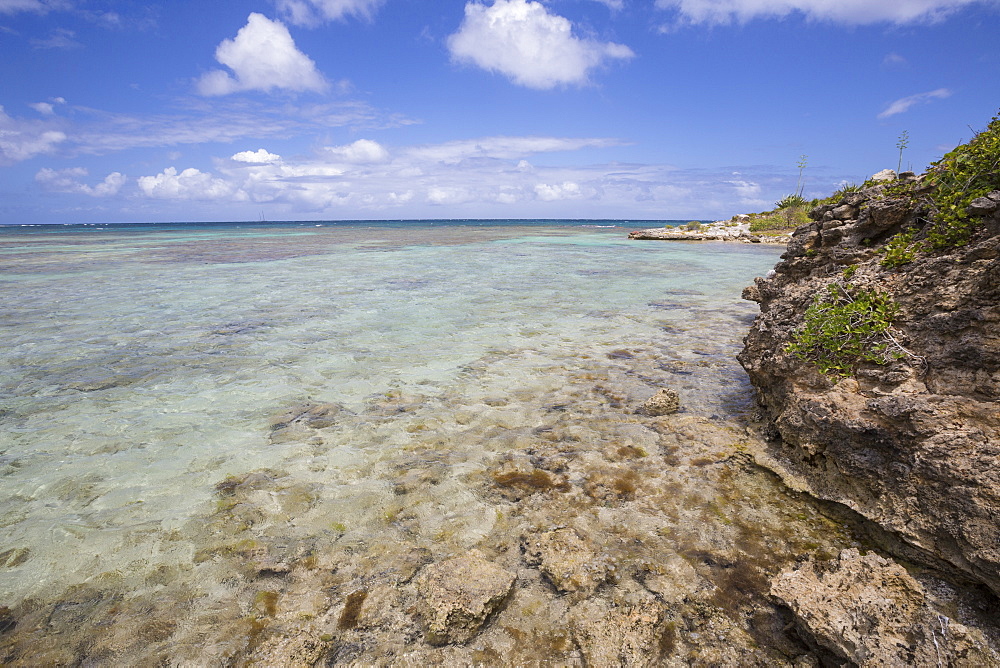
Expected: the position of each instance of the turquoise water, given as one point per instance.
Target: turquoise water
(146, 365)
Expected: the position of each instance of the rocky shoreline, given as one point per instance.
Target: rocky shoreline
(909, 443)
(720, 230)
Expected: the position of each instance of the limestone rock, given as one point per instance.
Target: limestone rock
(568, 560)
(868, 610)
(984, 206)
(626, 635)
(884, 175)
(457, 595)
(912, 445)
(664, 402)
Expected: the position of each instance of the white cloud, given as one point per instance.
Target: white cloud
(314, 12)
(13, 6)
(551, 193)
(523, 41)
(485, 177)
(746, 189)
(61, 38)
(893, 61)
(361, 152)
(20, 140)
(68, 181)
(903, 104)
(852, 12)
(259, 157)
(44, 108)
(504, 148)
(191, 184)
(223, 121)
(262, 57)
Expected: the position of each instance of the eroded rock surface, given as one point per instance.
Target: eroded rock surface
(569, 561)
(868, 610)
(913, 445)
(664, 402)
(459, 594)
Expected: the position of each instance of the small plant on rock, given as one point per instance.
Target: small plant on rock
(901, 249)
(846, 326)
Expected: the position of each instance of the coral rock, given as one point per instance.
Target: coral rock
(663, 402)
(459, 594)
(868, 610)
(569, 561)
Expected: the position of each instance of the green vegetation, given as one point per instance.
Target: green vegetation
(790, 201)
(782, 219)
(693, 226)
(900, 250)
(969, 171)
(847, 326)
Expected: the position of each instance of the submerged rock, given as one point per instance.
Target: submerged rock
(868, 610)
(457, 596)
(664, 402)
(570, 562)
(300, 423)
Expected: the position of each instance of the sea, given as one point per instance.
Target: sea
(199, 420)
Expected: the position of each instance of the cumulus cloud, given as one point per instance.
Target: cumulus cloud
(315, 12)
(48, 108)
(852, 12)
(903, 104)
(523, 41)
(551, 193)
(190, 184)
(258, 157)
(485, 177)
(361, 152)
(262, 57)
(20, 139)
(44, 108)
(69, 181)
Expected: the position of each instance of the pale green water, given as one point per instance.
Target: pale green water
(141, 368)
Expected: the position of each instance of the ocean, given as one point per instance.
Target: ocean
(212, 434)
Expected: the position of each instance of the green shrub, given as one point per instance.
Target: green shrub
(790, 200)
(969, 171)
(844, 327)
(693, 226)
(783, 219)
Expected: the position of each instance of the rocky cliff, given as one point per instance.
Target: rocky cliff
(876, 359)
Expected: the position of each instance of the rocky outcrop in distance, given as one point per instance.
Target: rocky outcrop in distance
(911, 442)
(737, 229)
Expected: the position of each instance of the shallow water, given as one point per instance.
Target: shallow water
(477, 384)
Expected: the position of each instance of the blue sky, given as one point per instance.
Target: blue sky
(121, 111)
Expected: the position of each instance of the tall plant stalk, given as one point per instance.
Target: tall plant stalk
(904, 141)
(801, 164)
